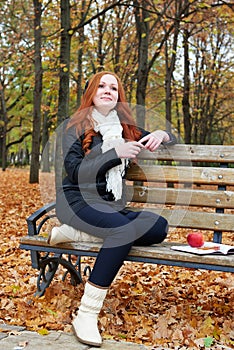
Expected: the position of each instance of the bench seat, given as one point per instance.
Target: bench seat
(158, 253)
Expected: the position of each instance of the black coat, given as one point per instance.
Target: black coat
(85, 180)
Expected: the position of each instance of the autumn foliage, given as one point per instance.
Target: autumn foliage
(150, 304)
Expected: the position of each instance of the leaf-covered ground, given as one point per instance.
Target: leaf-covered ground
(177, 308)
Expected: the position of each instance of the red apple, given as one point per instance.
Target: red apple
(195, 239)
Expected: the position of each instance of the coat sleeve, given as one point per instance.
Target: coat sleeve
(172, 141)
(81, 168)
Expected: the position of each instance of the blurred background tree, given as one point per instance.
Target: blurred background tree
(175, 58)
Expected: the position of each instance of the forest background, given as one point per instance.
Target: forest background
(175, 58)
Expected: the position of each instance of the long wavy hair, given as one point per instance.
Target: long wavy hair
(83, 123)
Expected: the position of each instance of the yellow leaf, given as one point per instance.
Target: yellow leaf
(43, 331)
(208, 322)
(43, 234)
(108, 337)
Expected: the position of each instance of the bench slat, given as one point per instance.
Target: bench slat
(181, 174)
(198, 153)
(181, 196)
(159, 251)
(194, 219)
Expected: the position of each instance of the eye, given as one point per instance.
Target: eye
(101, 86)
(114, 88)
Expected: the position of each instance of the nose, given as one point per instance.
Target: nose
(107, 89)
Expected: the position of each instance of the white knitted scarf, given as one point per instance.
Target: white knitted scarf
(111, 130)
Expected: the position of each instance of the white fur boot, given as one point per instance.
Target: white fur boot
(65, 234)
(85, 324)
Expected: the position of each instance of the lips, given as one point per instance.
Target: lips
(106, 98)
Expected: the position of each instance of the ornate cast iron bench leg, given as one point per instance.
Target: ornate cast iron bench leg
(48, 267)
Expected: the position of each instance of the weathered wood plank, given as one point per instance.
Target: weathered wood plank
(181, 174)
(159, 251)
(181, 196)
(194, 219)
(192, 153)
(163, 250)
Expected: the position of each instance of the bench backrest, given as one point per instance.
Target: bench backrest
(191, 185)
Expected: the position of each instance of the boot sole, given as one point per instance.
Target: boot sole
(98, 345)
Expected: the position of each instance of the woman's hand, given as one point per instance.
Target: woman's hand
(129, 149)
(154, 140)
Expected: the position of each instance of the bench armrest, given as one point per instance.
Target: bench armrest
(33, 229)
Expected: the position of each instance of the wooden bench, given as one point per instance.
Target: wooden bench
(191, 185)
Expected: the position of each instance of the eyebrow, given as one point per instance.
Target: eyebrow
(103, 82)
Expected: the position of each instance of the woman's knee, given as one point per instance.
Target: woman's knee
(161, 227)
(151, 222)
(165, 229)
(156, 231)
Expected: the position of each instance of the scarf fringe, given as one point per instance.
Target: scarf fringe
(111, 130)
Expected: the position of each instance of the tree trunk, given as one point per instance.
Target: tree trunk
(186, 91)
(80, 66)
(186, 88)
(35, 165)
(65, 44)
(142, 28)
(170, 67)
(81, 41)
(3, 127)
(170, 64)
(64, 79)
(168, 88)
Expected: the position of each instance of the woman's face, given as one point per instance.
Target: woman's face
(107, 94)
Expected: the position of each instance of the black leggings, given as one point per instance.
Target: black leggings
(120, 231)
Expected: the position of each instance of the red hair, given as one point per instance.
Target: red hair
(83, 123)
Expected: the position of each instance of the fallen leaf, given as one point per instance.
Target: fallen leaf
(147, 303)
